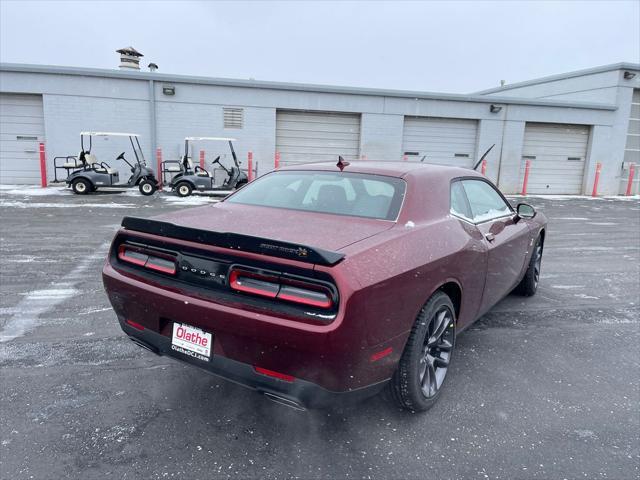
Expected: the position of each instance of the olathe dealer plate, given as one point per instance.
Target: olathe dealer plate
(191, 341)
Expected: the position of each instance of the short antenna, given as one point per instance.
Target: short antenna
(341, 163)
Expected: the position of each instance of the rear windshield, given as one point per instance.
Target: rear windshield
(339, 193)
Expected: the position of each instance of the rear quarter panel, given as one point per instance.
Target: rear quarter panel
(399, 270)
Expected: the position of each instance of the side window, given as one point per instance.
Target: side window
(459, 206)
(486, 203)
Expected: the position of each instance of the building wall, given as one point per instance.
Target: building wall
(177, 120)
(74, 102)
(65, 116)
(597, 87)
(607, 142)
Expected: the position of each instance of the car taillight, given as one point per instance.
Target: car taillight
(307, 297)
(251, 282)
(281, 288)
(150, 259)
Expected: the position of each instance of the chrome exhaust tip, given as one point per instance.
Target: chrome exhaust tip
(140, 343)
(284, 401)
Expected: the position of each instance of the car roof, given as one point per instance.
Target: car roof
(391, 169)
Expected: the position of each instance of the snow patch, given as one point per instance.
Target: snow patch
(578, 197)
(52, 293)
(38, 302)
(95, 310)
(18, 204)
(33, 191)
(192, 200)
(409, 224)
(584, 295)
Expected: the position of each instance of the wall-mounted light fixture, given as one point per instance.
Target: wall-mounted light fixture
(168, 89)
(629, 75)
(495, 108)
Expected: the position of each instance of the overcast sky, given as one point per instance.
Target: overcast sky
(456, 47)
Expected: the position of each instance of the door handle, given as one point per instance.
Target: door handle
(490, 237)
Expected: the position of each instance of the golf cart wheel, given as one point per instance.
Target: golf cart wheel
(82, 186)
(147, 188)
(183, 189)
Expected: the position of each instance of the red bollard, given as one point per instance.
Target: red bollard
(202, 159)
(483, 169)
(527, 167)
(250, 166)
(596, 180)
(405, 158)
(159, 162)
(43, 167)
(276, 164)
(632, 171)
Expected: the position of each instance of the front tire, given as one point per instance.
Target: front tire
(420, 376)
(183, 189)
(82, 186)
(147, 188)
(529, 283)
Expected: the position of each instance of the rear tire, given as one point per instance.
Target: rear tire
(183, 189)
(420, 376)
(529, 283)
(82, 186)
(147, 188)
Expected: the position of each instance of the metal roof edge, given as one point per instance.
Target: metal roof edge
(229, 82)
(563, 76)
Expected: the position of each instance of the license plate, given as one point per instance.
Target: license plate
(191, 341)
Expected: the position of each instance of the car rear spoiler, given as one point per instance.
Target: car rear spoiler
(234, 241)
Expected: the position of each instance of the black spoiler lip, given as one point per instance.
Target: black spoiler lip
(235, 241)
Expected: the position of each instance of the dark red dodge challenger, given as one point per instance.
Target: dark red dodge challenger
(322, 282)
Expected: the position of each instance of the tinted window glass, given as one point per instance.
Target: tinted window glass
(459, 205)
(485, 202)
(361, 195)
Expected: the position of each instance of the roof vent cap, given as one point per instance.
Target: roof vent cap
(129, 58)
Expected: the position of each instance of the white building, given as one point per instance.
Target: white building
(564, 125)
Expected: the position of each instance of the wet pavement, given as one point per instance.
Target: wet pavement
(542, 387)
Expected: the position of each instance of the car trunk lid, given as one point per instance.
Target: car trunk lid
(323, 231)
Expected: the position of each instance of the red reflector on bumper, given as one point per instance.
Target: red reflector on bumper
(135, 325)
(271, 373)
(381, 354)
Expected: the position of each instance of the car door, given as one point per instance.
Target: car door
(507, 239)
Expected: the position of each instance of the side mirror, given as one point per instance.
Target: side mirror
(525, 210)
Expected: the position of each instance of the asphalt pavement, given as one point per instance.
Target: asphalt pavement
(541, 388)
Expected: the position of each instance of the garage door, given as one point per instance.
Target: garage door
(21, 129)
(445, 141)
(557, 154)
(303, 137)
(632, 148)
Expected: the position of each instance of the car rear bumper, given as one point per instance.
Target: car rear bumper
(298, 393)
